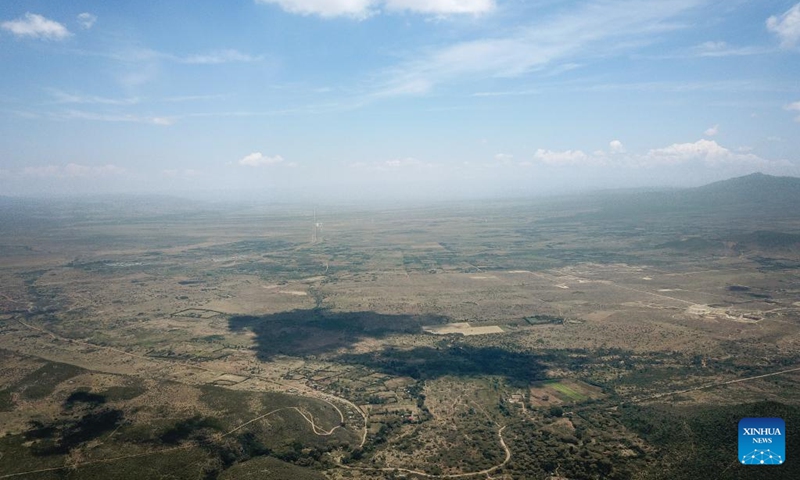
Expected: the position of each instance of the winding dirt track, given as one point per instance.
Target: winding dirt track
(451, 475)
(324, 397)
(306, 416)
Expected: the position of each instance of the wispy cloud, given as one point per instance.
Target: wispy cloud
(362, 9)
(137, 65)
(442, 7)
(139, 55)
(195, 98)
(107, 117)
(786, 27)
(599, 28)
(730, 86)
(86, 20)
(508, 93)
(394, 165)
(794, 107)
(32, 25)
(722, 49)
(359, 9)
(60, 96)
(220, 56)
(711, 131)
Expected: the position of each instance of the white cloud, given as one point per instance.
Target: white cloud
(786, 26)
(442, 7)
(36, 26)
(220, 56)
(86, 20)
(504, 157)
(794, 107)
(326, 8)
(258, 159)
(707, 152)
(361, 9)
(568, 157)
(73, 170)
(711, 131)
(615, 147)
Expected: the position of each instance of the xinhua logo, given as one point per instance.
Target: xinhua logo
(762, 441)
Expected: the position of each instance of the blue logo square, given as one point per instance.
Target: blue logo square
(762, 441)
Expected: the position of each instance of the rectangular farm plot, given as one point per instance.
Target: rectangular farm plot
(462, 328)
(197, 313)
(557, 392)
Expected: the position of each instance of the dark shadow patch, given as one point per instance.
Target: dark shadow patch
(188, 428)
(312, 332)
(44, 380)
(463, 361)
(129, 391)
(60, 437)
(84, 397)
(7, 403)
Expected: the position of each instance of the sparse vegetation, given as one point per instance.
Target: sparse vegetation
(617, 333)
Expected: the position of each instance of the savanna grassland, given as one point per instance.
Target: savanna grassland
(607, 336)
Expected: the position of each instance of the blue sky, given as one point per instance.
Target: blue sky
(316, 99)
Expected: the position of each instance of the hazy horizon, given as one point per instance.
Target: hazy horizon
(370, 100)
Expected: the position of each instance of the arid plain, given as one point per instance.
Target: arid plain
(560, 338)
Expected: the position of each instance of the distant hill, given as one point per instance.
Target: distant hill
(757, 188)
(749, 194)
